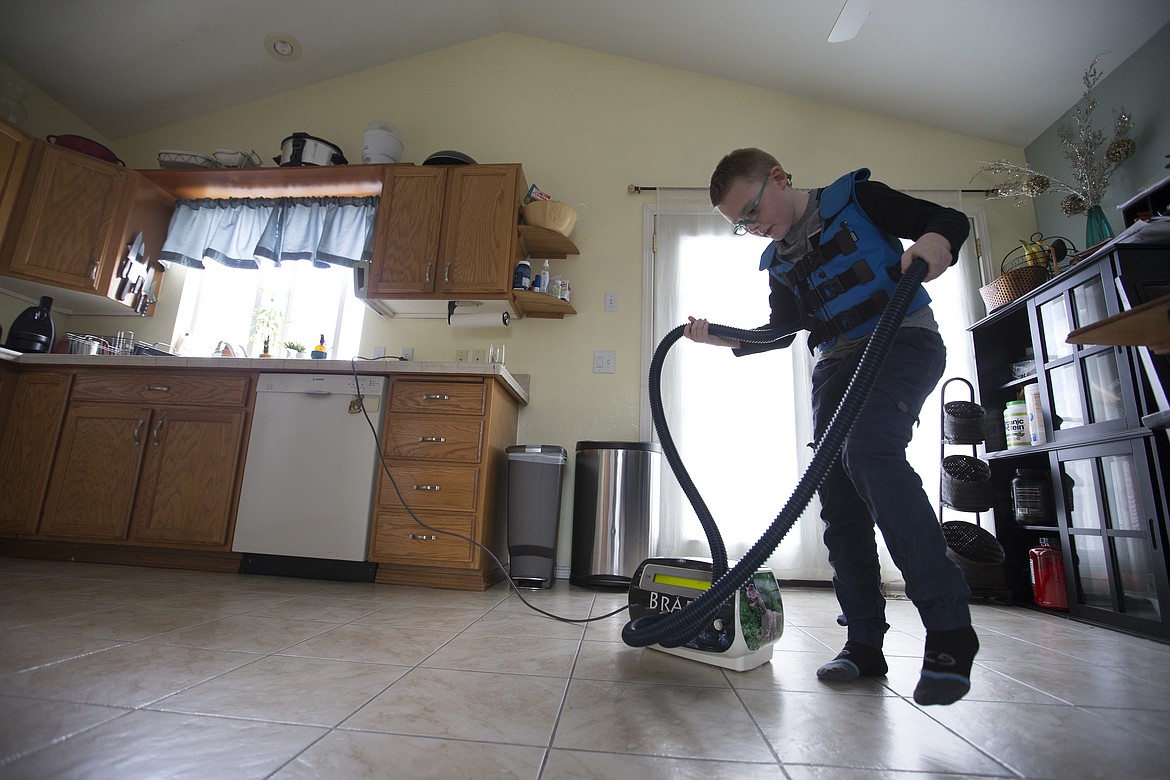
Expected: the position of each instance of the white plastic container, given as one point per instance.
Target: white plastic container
(1035, 409)
(381, 143)
(1015, 425)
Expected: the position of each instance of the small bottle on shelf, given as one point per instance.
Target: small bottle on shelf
(319, 351)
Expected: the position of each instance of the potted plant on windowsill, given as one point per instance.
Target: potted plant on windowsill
(295, 348)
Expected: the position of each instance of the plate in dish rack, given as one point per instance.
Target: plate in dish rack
(169, 158)
(236, 158)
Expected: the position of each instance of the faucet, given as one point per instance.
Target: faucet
(225, 349)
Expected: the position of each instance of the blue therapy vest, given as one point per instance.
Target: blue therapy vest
(844, 283)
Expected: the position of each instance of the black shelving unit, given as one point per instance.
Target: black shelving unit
(1105, 471)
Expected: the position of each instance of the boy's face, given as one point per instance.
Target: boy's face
(771, 216)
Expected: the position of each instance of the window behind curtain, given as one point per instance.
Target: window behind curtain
(312, 301)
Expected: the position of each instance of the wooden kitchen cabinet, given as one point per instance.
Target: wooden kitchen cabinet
(447, 232)
(27, 444)
(15, 149)
(445, 441)
(158, 467)
(68, 219)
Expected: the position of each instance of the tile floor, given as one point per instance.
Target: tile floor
(125, 672)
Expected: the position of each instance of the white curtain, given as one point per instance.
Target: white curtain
(239, 232)
(742, 425)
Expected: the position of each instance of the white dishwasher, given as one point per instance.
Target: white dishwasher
(310, 476)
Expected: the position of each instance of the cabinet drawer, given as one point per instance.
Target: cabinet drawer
(433, 437)
(397, 538)
(437, 397)
(155, 388)
(430, 487)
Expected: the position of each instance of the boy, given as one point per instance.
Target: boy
(833, 261)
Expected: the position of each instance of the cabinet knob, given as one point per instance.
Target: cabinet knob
(432, 439)
(428, 487)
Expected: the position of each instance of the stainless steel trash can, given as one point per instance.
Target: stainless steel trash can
(534, 510)
(615, 511)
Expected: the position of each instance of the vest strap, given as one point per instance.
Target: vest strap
(848, 319)
(860, 273)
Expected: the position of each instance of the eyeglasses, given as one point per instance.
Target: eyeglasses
(750, 216)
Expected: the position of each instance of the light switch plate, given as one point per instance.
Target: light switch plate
(603, 361)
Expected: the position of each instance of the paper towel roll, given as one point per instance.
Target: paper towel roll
(486, 319)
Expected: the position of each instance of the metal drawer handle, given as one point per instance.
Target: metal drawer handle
(137, 431)
(428, 487)
(158, 388)
(428, 276)
(422, 537)
(436, 397)
(157, 428)
(433, 439)
(447, 272)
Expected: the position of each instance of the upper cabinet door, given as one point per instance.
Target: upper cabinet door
(406, 243)
(15, 148)
(70, 224)
(480, 241)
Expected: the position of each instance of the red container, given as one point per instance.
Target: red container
(1048, 583)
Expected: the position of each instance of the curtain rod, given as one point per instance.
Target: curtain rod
(636, 189)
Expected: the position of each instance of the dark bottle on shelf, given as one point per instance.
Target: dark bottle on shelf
(1031, 503)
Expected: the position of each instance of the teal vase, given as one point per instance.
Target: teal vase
(1097, 227)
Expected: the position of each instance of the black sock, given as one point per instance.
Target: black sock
(946, 666)
(853, 661)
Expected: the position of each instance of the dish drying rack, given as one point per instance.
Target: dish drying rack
(220, 158)
(81, 344)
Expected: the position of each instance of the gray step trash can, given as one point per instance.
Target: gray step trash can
(534, 507)
(615, 511)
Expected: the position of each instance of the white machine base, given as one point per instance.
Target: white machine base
(740, 663)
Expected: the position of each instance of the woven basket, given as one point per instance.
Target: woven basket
(966, 484)
(964, 422)
(977, 553)
(1012, 285)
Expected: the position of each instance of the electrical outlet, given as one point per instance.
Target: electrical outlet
(477, 356)
(461, 356)
(379, 352)
(603, 361)
(611, 303)
(408, 353)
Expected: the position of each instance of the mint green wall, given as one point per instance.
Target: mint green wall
(1137, 85)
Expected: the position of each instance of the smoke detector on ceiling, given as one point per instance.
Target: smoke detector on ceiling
(283, 47)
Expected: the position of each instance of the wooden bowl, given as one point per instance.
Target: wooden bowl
(551, 214)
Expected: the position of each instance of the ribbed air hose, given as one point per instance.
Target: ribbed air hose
(679, 627)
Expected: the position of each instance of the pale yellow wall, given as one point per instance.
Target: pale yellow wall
(585, 125)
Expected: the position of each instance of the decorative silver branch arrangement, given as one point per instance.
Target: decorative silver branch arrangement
(1081, 145)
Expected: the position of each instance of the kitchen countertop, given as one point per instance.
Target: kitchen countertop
(517, 383)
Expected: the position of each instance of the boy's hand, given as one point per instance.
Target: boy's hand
(934, 249)
(696, 330)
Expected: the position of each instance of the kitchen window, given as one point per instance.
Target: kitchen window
(276, 268)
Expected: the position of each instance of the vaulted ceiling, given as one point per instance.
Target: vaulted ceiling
(1004, 70)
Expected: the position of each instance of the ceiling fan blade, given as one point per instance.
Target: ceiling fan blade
(849, 21)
